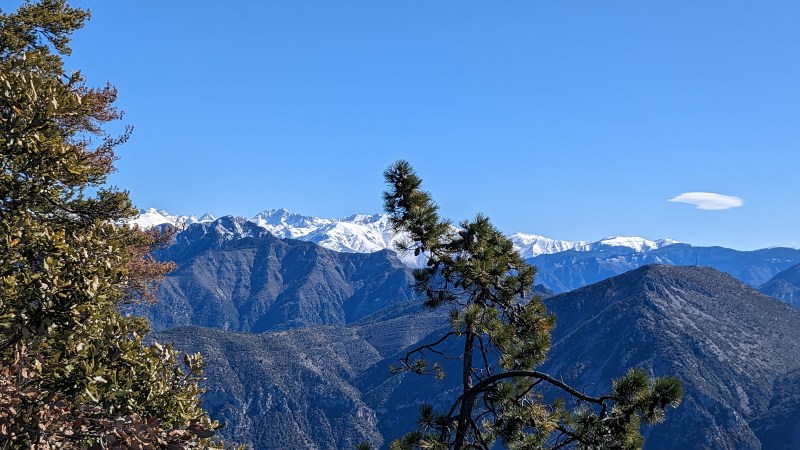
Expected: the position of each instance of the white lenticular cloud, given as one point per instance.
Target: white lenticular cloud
(709, 200)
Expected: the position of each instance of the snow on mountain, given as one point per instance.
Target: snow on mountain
(636, 243)
(531, 245)
(285, 224)
(151, 217)
(365, 234)
(361, 233)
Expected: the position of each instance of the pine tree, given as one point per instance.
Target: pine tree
(74, 373)
(505, 335)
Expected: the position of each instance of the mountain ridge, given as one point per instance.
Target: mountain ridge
(563, 270)
(736, 351)
(573, 269)
(367, 233)
(729, 344)
(784, 286)
(234, 275)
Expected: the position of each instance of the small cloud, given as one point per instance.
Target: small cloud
(709, 200)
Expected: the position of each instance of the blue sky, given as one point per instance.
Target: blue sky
(574, 120)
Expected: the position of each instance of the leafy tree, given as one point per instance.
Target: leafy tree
(74, 373)
(505, 333)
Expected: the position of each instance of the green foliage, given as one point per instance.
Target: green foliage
(75, 371)
(505, 333)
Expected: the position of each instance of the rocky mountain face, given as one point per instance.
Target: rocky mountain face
(572, 269)
(300, 388)
(784, 286)
(286, 390)
(234, 275)
(736, 350)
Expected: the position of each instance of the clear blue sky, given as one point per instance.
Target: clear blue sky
(571, 119)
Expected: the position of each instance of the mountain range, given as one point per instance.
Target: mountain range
(572, 269)
(358, 233)
(361, 233)
(235, 275)
(327, 386)
(299, 338)
(562, 265)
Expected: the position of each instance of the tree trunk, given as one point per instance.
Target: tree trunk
(468, 401)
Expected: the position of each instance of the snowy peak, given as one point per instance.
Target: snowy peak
(665, 242)
(366, 219)
(359, 233)
(285, 224)
(367, 233)
(152, 217)
(284, 217)
(635, 243)
(532, 245)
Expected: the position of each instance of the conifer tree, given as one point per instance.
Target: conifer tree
(74, 373)
(504, 334)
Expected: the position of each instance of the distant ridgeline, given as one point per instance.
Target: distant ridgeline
(562, 265)
(299, 337)
(572, 269)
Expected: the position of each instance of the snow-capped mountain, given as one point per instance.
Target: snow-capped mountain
(530, 245)
(362, 233)
(151, 217)
(284, 224)
(355, 234)
(359, 233)
(533, 245)
(637, 244)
